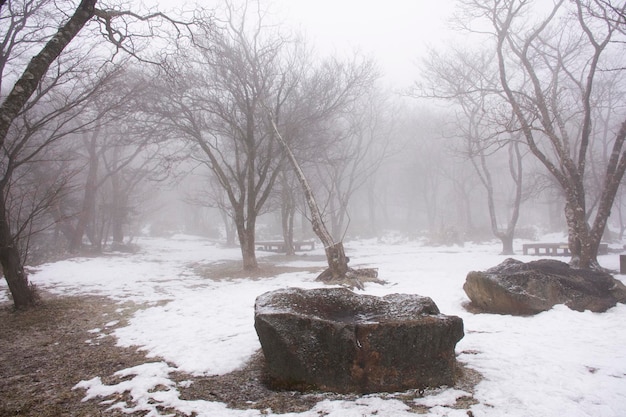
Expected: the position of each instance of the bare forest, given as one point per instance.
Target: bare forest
(117, 123)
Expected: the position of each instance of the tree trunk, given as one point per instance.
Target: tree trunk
(62, 223)
(337, 263)
(248, 254)
(288, 212)
(12, 268)
(245, 232)
(119, 210)
(507, 244)
(287, 217)
(87, 213)
(39, 64)
(17, 280)
(583, 251)
(229, 228)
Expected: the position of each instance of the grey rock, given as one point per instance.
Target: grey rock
(519, 288)
(335, 340)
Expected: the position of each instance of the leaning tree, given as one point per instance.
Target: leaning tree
(338, 270)
(334, 126)
(325, 94)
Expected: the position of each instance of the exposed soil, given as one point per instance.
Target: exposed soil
(46, 351)
(269, 267)
(248, 388)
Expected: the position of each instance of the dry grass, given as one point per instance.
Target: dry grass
(247, 388)
(269, 267)
(43, 354)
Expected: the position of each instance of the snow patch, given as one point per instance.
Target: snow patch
(559, 362)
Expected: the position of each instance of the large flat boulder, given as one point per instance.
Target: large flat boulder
(519, 288)
(335, 340)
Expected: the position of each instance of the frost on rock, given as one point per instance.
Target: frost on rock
(519, 288)
(335, 340)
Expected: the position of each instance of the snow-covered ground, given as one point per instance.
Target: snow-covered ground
(557, 363)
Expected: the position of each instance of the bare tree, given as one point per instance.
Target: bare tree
(548, 71)
(469, 80)
(216, 99)
(322, 98)
(53, 113)
(130, 175)
(237, 72)
(115, 156)
(41, 30)
(13, 105)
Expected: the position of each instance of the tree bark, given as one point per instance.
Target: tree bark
(248, 253)
(39, 64)
(246, 234)
(11, 261)
(507, 244)
(119, 210)
(337, 263)
(580, 247)
(87, 213)
(287, 220)
(288, 212)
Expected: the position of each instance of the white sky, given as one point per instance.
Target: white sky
(395, 32)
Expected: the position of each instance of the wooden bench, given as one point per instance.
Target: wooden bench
(276, 246)
(556, 249)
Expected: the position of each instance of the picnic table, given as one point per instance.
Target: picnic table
(279, 246)
(556, 249)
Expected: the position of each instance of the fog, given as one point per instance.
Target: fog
(150, 151)
(396, 33)
(407, 118)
